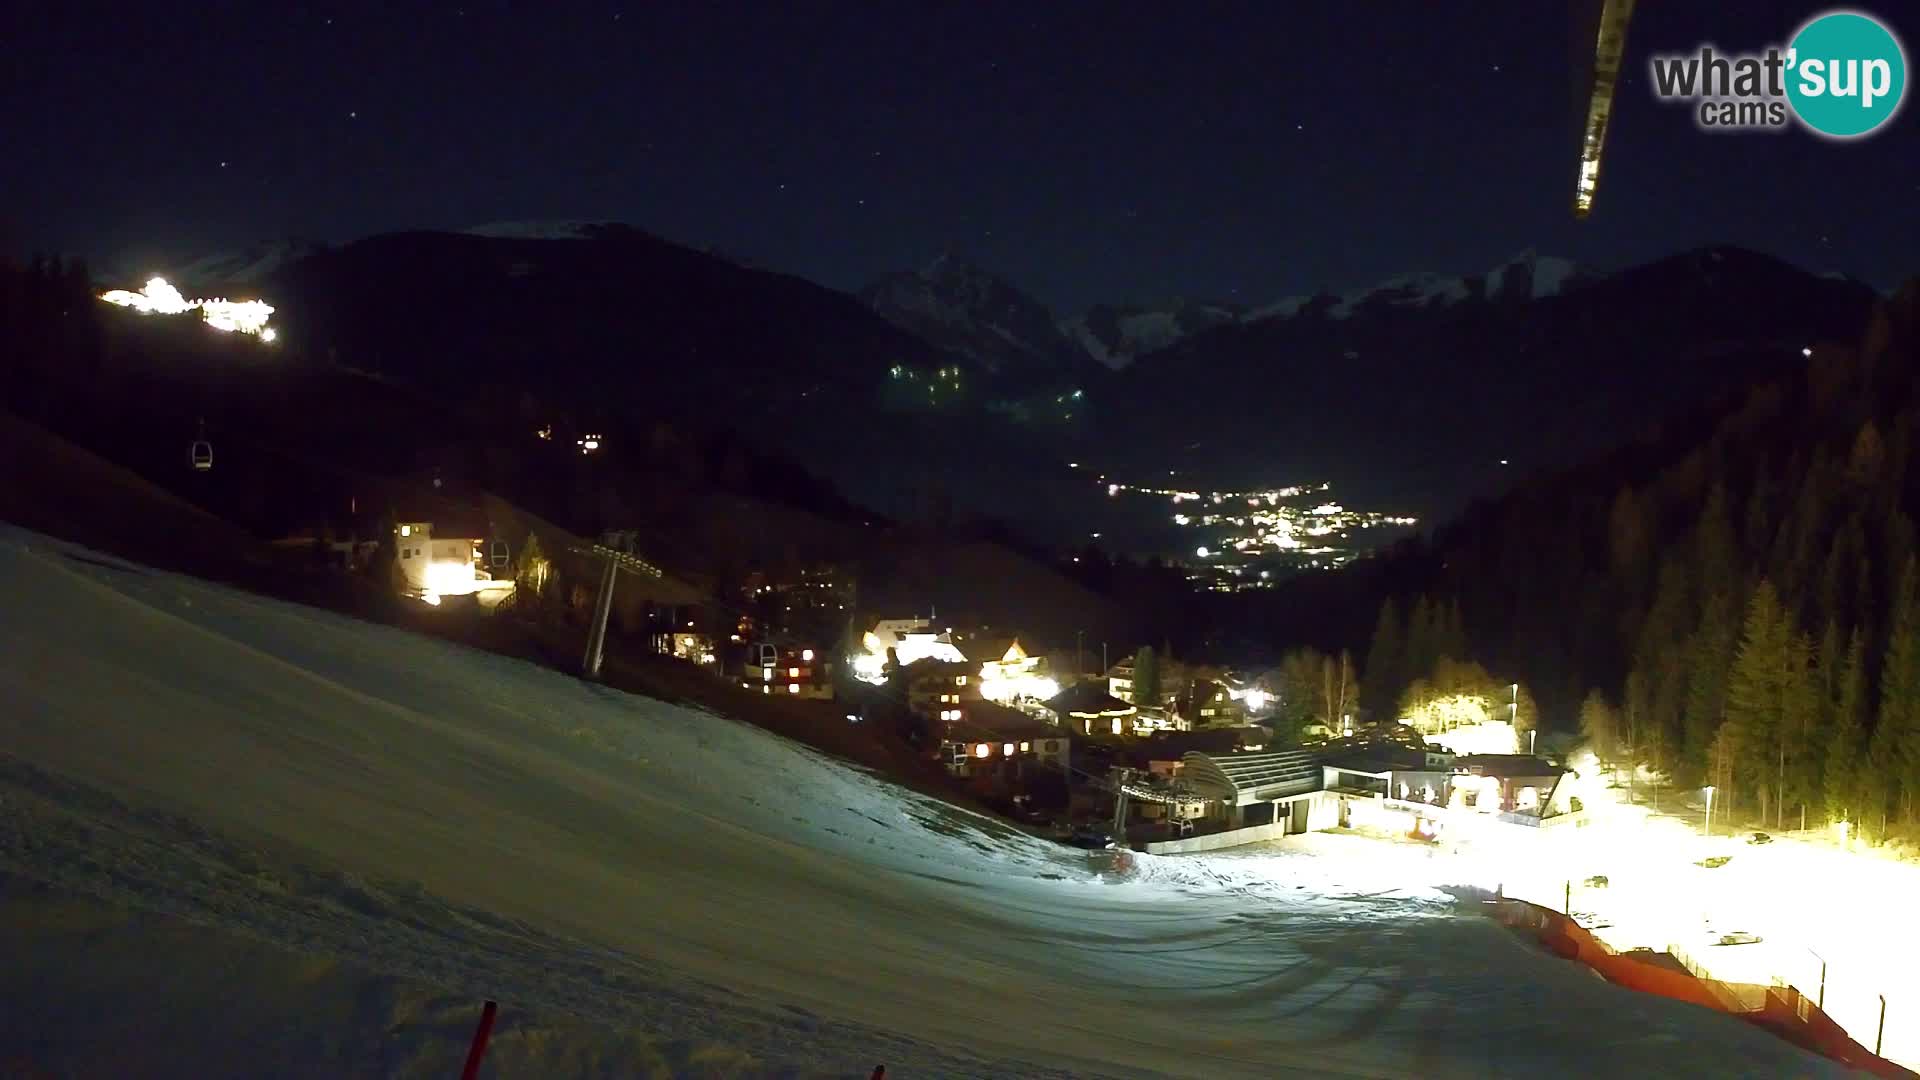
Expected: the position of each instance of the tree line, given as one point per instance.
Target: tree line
(1729, 601)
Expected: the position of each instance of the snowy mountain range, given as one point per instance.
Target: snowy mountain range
(1118, 335)
(957, 306)
(975, 313)
(219, 271)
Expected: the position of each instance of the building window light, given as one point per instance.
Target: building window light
(793, 688)
(806, 655)
(960, 680)
(766, 674)
(793, 673)
(1007, 749)
(983, 750)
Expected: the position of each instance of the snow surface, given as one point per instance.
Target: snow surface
(1550, 274)
(1280, 309)
(1406, 290)
(693, 888)
(1150, 330)
(1423, 290)
(1140, 331)
(1082, 334)
(222, 269)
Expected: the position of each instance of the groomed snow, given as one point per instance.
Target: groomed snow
(501, 830)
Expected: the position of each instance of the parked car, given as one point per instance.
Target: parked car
(1597, 881)
(1588, 920)
(1759, 838)
(1736, 937)
(1714, 862)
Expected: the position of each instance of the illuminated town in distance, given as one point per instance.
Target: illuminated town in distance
(1233, 541)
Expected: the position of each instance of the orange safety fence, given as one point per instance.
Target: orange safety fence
(1783, 1011)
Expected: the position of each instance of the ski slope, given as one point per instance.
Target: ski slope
(665, 885)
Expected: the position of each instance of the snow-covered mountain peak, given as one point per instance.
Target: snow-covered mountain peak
(214, 272)
(965, 309)
(1116, 335)
(1417, 290)
(959, 306)
(1544, 275)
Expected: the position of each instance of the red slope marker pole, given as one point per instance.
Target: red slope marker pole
(480, 1036)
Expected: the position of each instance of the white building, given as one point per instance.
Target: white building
(907, 640)
(453, 563)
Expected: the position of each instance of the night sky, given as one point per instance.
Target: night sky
(1090, 152)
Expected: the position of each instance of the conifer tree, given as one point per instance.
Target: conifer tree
(1601, 726)
(1896, 736)
(1757, 692)
(1846, 736)
(1385, 673)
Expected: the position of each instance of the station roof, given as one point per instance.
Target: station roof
(1241, 779)
(1507, 765)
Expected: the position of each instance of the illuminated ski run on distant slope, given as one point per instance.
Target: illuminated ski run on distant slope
(158, 297)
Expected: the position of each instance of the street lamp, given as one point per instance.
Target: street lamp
(1709, 791)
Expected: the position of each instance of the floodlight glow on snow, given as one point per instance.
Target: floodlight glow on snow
(449, 578)
(158, 297)
(1255, 698)
(1485, 737)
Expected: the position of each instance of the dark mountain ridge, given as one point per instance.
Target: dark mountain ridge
(1421, 404)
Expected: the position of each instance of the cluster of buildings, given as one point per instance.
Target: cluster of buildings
(1024, 725)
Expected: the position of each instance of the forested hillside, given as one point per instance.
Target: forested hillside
(1733, 601)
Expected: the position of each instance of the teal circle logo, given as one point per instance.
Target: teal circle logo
(1846, 74)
